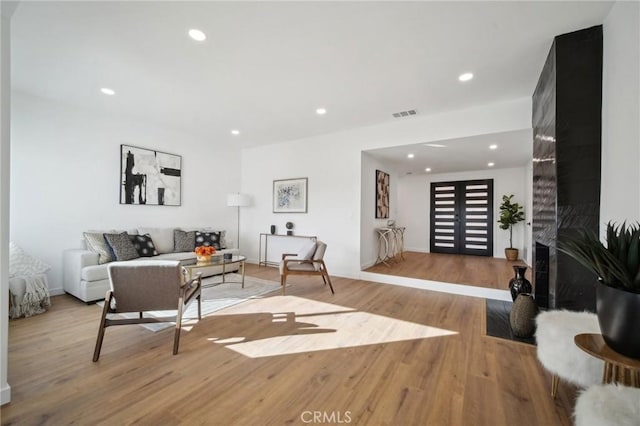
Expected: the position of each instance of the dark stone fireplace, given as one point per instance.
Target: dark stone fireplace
(567, 126)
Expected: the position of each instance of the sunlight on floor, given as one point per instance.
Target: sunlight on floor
(302, 325)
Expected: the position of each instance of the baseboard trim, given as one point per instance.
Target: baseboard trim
(459, 289)
(417, 250)
(5, 395)
(56, 291)
(367, 265)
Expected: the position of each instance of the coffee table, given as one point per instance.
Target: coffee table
(617, 367)
(217, 261)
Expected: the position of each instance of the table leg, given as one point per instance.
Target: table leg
(224, 265)
(615, 374)
(242, 266)
(401, 233)
(554, 385)
(606, 377)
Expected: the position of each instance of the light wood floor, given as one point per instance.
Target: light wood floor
(459, 379)
(477, 271)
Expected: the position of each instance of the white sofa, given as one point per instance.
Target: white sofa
(88, 280)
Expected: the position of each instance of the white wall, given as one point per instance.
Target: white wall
(368, 221)
(620, 199)
(527, 254)
(414, 205)
(66, 173)
(6, 11)
(333, 164)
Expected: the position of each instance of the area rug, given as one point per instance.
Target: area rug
(215, 296)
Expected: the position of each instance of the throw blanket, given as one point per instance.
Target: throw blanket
(35, 300)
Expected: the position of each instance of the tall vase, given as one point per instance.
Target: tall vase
(522, 317)
(519, 284)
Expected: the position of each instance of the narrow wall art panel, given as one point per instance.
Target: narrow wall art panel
(149, 177)
(382, 195)
(290, 195)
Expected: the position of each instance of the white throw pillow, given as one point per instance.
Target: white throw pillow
(162, 238)
(23, 265)
(307, 250)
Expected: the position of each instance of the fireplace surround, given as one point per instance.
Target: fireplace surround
(567, 123)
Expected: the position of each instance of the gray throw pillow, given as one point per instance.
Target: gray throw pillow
(97, 243)
(121, 246)
(184, 240)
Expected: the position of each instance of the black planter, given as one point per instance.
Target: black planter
(519, 284)
(619, 319)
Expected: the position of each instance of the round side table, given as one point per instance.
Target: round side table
(617, 368)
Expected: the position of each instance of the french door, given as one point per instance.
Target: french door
(462, 217)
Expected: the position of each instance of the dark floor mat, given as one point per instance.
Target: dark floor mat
(498, 321)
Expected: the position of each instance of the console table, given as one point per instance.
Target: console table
(617, 367)
(272, 246)
(390, 243)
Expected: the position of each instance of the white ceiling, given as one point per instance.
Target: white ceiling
(266, 66)
(514, 149)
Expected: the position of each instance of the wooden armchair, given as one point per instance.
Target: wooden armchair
(143, 286)
(296, 266)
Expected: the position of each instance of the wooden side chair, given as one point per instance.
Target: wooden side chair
(297, 264)
(143, 286)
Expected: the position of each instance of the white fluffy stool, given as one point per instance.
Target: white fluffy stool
(559, 354)
(606, 405)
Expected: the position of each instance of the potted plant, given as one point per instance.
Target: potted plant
(617, 266)
(510, 214)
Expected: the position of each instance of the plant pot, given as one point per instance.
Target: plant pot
(511, 253)
(203, 258)
(619, 318)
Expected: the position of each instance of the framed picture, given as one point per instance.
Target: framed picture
(382, 195)
(149, 177)
(290, 195)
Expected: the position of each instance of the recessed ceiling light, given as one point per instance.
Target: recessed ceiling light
(321, 111)
(108, 91)
(491, 164)
(434, 145)
(410, 155)
(465, 77)
(493, 146)
(428, 169)
(197, 35)
(235, 132)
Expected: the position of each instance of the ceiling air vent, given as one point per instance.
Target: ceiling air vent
(404, 113)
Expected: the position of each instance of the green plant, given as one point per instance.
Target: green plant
(510, 214)
(618, 263)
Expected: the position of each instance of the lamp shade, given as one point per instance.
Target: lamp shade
(238, 200)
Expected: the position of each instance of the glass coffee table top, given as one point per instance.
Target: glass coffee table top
(217, 260)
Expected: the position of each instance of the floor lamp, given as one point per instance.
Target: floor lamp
(237, 201)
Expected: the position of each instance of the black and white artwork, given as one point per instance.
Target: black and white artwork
(149, 177)
(382, 195)
(290, 195)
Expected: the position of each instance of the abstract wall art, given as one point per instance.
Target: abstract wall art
(290, 195)
(382, 195)
(149, 177)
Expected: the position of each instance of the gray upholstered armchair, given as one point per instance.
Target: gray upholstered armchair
(298, 264)
(143, 286)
